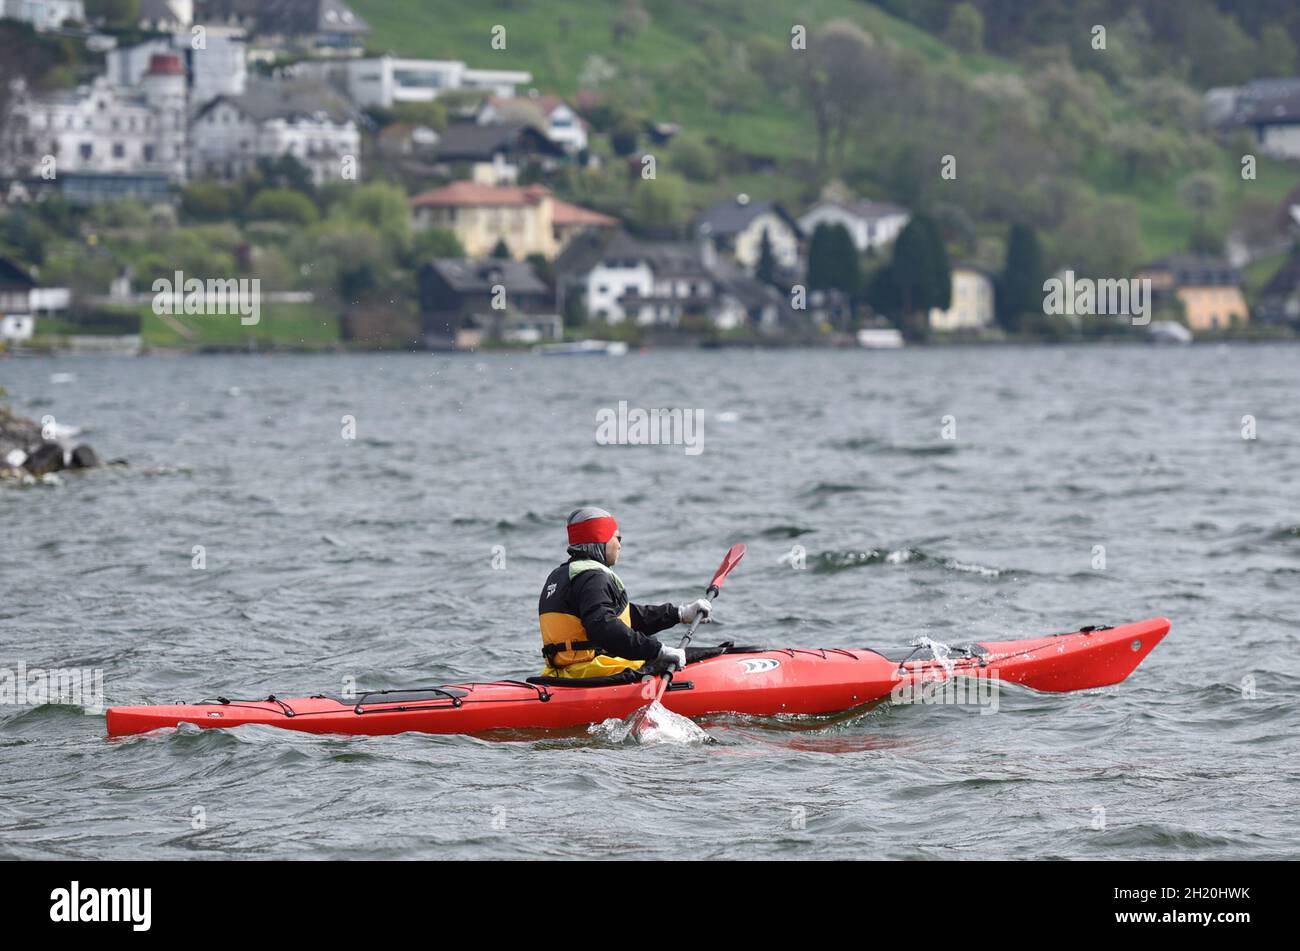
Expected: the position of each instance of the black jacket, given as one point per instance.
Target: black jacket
(597, 600)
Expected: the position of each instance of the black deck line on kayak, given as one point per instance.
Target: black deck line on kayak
(439, 692)
(285, 709)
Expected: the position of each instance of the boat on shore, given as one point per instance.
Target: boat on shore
(583, 348)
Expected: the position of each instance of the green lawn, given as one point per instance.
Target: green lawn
(288, 326)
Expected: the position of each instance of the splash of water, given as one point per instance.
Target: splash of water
(940, 651)
(652, 724)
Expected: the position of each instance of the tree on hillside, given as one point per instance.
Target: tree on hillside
(631, 21)
(1020, 289)
(284, 205)
(833, 261)
(965, 29)
(119, 13)
(917, 278)
(1277, 52)
(766, 269)
(842, 69)
(434, 243)
(659, 206)
(1200, 193)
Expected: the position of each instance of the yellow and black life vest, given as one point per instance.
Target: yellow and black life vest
(564, 640)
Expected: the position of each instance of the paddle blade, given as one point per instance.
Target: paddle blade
(736, 552)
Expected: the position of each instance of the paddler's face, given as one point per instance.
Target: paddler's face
(612, 548)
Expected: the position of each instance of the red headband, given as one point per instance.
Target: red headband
(598, 530)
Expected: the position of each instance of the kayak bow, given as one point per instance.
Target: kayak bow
(761, 683)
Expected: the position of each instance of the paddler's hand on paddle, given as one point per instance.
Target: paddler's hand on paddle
(701, 608)
(672, 658)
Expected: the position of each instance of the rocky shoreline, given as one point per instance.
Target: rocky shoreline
(28, 457)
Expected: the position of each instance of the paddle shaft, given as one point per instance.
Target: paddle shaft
(734, 554)
(666, 677)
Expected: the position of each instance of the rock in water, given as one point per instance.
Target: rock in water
(83, 457)
(48, 457)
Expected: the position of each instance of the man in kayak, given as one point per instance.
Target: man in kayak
(589, 626)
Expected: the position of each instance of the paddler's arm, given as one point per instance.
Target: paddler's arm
(594, 597)
(653, 618)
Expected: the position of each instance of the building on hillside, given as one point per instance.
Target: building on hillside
(494, 154)
(973, 302)
(464, 301)
(219, 68)
(529, 219)
(277, 117)
(1270, 108)
(735, 228)
(650, 283)
(322, 27)
(407, 140)
(659, 283)
(387, 81)
(44, 15)
(16, 285)
(871, 224)
(166, 16)
(23, 300)
(551, 114)
(1207, 288)
(745, 302)
(1279, 299)
(102, 127)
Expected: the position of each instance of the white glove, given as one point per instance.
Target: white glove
(688, 612)
(673, 657)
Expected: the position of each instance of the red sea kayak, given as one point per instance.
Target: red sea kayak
(762, 683)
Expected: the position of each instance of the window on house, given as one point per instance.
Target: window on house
(119, 150)
(87, 150)
(148, 153)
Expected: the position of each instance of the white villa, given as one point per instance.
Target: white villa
(103, 128)
(387, 80)
(649, 283)
(871, 224)
(276, 117)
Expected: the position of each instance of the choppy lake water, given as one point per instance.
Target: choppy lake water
(373, 558)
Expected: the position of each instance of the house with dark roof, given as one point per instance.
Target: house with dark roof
(275, 117)
(495, 153)
(1206, 288)
(1270, 108)
(659, 283)
(1279, 299)
(22, 300)
(871, 224)
(551, 114)
(649, 282)
(320, 25)
(735, 228)
(464, 301)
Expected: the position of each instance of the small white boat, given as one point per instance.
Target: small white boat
(583, 348)
(1168, 331)
(880, 338)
